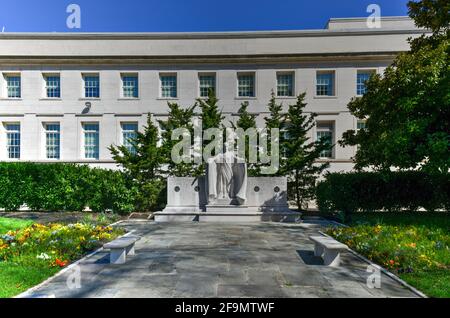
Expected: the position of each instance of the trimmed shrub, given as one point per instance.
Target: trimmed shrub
(64, 187)
(383, 191)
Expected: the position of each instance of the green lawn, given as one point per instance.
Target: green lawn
(36, 252)
(12, 224)
(15, 279)
(414, 246)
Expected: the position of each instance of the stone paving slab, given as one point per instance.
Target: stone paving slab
(222, 260)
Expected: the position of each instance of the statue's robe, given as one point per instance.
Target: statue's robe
(227, 178)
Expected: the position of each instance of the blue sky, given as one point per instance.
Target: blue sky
(184, 15)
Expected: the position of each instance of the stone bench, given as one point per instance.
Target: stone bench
(329, 249)
(121, 248)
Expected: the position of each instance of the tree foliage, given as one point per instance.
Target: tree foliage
(301, 153)
(431, 14)
(407, 109)
(247, 121)
(211, 117)
(178, 118)
(276, 120)
(144, 166)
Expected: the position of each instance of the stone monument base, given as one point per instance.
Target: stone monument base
(266, 202)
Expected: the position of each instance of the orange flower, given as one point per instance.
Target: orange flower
(392, 262)
(60, 263)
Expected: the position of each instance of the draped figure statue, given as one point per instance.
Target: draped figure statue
(227, 179)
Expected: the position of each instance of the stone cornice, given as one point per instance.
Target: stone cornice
(195, 59)
(204, 35)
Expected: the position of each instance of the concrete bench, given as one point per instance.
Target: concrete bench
(121, 248)
(329, 249)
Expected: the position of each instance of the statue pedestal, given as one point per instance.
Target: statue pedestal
(266, 202)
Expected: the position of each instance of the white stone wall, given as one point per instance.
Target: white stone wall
(110, 55)
(33, 110)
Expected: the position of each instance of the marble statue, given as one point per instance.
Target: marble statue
(227, 178)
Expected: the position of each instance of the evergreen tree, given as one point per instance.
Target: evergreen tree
(211, 117)
(143, 166)
(178, 118)
(276, 120)
(246, 121)
(302, 153)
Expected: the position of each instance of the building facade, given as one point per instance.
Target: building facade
(68, 97)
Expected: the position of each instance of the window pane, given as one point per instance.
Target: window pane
(169, 86)
(91, 87)
(325, 84)
(207, 82)
(361, 124)
(13, 86)
(91, 141)
(361, 80)
(130, 86)
(246, 86)
(285, 85)
(325, 133)
(53, 87)
(129, 133)
(52, 134)
(13, 141)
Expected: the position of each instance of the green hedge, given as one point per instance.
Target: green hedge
(388, 191)
(64, 187)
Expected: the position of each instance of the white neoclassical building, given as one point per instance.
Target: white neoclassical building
(68, 97)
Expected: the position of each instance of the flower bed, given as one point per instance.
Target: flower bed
(31, 254)
(418, 254)
(55, 244)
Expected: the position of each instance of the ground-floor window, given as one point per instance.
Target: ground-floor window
(325, 131)
(129, 133)
(13, 140)
(53, 140)
(91, 140)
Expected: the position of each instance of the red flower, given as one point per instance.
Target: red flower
(61, 263)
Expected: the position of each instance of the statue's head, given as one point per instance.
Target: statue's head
(228, 146)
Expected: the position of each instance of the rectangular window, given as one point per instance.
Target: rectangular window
(91, 140)
(53, 86)
(207, 83)
(13, 86)
(361, 125)
(246, 85)
(285, 85)
(130, 84)
(129, 133)
(361, 78)
(325, 132)
(168, 86)
(325, 84)
(13, 141)
(52, 140)
(91, 86)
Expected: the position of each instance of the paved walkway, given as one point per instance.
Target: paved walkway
(222, 260)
